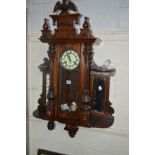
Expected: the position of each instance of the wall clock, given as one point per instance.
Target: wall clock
(77, 92)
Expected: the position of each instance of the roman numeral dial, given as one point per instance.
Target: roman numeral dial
(69, 60)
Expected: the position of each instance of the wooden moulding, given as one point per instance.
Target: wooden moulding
(65, 16)
(97, 119)
(65, 37)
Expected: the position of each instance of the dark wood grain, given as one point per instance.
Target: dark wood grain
(65, 36)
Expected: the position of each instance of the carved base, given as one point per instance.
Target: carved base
(72, 129)
(96, 119)
(51, 125)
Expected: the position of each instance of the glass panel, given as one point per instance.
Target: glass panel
(98, 89)
(69, 89)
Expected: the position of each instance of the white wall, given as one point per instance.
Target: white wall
(109, 20)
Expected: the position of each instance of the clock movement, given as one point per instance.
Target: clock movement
(75, 91)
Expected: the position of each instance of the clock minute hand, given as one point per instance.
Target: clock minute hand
(69, 57)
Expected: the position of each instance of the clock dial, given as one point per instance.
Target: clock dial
(69, 60)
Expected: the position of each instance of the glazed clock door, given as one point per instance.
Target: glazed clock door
(69, 79)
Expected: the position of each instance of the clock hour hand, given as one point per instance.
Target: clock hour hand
(75, 63)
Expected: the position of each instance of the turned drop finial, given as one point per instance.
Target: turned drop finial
(46, 25)
(86, 23)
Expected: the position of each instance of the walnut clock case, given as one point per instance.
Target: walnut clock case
(75, 91)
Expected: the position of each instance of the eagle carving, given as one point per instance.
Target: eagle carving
(65, 6)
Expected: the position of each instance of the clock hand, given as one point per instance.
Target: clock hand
(75, 63)
(69, 57)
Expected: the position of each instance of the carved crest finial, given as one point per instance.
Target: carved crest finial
(65, 6)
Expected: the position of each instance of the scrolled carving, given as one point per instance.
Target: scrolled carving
(51, 52)
(65, 22)
(88, 53)
(65, 33)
